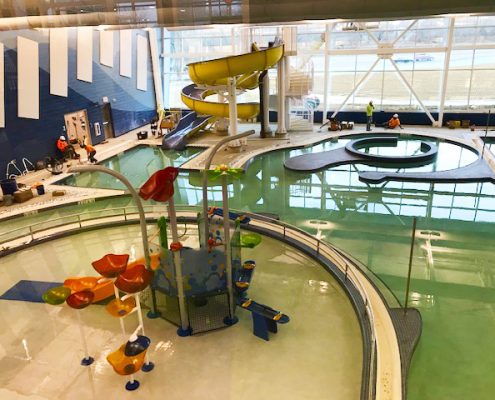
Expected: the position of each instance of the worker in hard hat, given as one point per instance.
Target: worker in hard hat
(66, 149)
(90, 151)
(369, 115)
(392, 123)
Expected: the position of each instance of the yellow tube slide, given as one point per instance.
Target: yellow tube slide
(246, 67)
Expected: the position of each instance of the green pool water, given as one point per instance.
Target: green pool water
(136, 164)
(453, 268)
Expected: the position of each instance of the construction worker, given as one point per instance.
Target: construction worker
(392, 123)
(90, 151)
(65, 148)
(369, 115)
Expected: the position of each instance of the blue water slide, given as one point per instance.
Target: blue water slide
(178, 137)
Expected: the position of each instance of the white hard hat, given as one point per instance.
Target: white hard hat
(396, 115)
(62, 137)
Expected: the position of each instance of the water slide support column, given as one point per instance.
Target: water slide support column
(281, 129)
(265, 104)
(232, 96)
(221, 125)
(286, 83)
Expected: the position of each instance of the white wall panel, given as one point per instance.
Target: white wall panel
(142, 63)
(59, 62)
(85, 53)
(2, 95)
(106, 48)
(126, 53)
(28, 78)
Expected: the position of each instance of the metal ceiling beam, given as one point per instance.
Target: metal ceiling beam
(170, 13)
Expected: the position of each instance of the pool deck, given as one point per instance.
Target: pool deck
(255, 147)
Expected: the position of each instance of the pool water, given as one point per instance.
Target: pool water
(136, 164)
(453, 274)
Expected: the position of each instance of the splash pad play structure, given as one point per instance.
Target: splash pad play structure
(116, 275)
(197, 289)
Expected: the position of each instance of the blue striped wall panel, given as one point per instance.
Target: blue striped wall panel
(36, 139)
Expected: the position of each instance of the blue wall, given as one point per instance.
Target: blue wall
(36, 139)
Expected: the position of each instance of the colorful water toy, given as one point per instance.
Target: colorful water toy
(135, 347)
(160, 185)
(118, 308)
(134, 280)
(232, 215)
(125, 365)
(250, 240)
(80, 284)
(80, 300)
(130, 357)
(56, 295)
(265, 319)
(101, 288)
(111, 265)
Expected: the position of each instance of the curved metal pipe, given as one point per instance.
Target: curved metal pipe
(135, 197)
(208, 161)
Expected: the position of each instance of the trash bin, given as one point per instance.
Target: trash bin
(9, 186)
(40, 189)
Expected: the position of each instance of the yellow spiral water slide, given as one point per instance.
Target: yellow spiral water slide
(245, 67)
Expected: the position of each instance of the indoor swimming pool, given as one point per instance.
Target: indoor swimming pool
(453, 271)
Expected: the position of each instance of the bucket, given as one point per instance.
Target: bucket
(142, 135)
(40, 189)
(9, 186)
(8, 199)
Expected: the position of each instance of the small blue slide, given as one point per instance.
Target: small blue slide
(188, 124)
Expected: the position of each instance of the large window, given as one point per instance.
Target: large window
(333, 58)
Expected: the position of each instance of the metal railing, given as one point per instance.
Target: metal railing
(96, 218)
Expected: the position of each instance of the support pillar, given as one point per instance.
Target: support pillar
(185, 329)
(264, 87)
(281, 129)
(228, 253)
(445, 76)
(232, 97)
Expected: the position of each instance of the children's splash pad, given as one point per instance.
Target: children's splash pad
(194, 286)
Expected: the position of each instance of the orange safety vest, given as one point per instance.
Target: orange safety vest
(61, 145)
(393, 122)
(89, 148)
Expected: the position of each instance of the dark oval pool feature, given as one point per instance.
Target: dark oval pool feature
(351, 154)
(428, 150)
